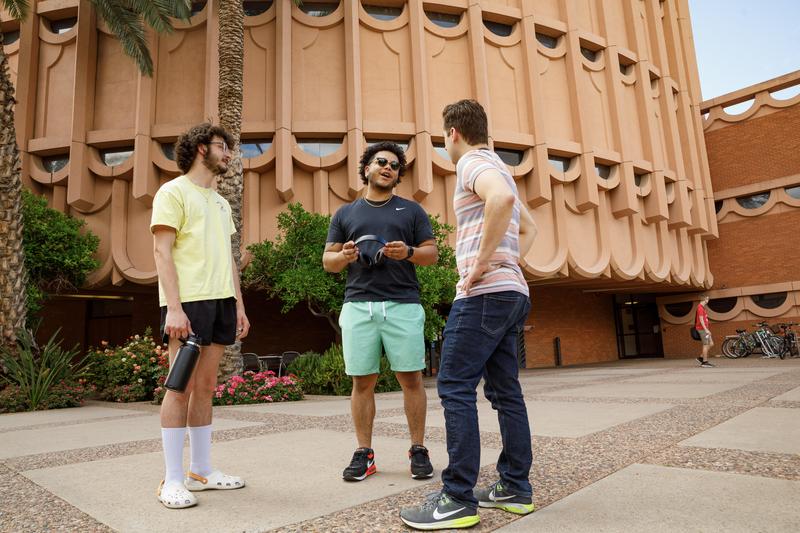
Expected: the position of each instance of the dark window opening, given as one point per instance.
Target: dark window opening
(113, 157)
(401, 144)
(560, 163)
(441, 150)
(10, 37)
(444, 20)
(498, 28)
(591, 55)
(254, 7)
(383, 12)
(754, 201)
(679, 309)
(319, 147)
(604, 171)
(718, 206)
(54, 163)
(63, 25)
(771, 300)
(722, 305)
(510, 157)
(640, 179)
(197, 7)
(546, 40)
(318, 9)
(168, 149)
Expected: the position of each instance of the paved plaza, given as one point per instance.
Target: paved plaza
(642, 445)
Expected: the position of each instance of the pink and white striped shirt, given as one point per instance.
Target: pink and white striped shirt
(505, 273)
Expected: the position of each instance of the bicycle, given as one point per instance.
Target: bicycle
(791, 343)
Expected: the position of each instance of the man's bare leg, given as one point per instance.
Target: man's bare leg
(362, 407)
(415, 402)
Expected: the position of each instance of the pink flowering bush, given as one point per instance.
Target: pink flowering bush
(261, 387)
(64, 394)
(131, 372)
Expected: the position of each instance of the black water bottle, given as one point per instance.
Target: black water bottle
(183, 366)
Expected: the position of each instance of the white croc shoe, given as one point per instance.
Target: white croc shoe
(175, 496)
(215, 480)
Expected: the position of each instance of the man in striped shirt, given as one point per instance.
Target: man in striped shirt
(480, 340)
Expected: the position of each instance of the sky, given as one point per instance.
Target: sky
(743, 42)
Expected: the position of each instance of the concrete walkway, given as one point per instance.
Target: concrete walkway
(647, 445)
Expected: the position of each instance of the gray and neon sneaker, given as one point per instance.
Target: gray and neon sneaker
(498, 497)
(440, 512)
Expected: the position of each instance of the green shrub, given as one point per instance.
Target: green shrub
(59, 253)
(258, 387)
(41, 377)
(131, 372)
(324, 374)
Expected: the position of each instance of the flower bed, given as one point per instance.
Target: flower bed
(258, 387)
(131, 372)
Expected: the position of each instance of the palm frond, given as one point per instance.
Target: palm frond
(18, 9)
(128, 28)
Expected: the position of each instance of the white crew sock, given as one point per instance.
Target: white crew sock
(172, 441)
(200, 441)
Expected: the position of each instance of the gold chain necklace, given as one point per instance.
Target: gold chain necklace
(378, 205)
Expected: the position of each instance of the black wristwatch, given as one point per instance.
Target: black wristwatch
(410, 251)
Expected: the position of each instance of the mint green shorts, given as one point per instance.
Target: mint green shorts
(399, 327)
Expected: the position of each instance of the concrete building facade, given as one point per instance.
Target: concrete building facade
(593, 104)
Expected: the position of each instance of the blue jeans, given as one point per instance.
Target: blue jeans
(480, 340)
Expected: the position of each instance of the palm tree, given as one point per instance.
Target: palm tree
(126, 20)
(229, 105)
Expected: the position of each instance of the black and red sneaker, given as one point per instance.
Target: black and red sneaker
(421, 467)
(362, 465)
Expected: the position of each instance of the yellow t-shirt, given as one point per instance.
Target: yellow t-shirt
(202, 251)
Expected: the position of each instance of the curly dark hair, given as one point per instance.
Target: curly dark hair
(469, 118)
(186, 145)
(383, 146)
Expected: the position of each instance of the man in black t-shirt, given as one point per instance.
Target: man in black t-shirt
(379, 238)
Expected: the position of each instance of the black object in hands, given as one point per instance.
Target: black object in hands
(183, 366)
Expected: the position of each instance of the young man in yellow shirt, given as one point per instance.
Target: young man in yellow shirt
(199, 293)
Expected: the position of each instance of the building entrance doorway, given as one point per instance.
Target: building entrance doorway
(638, 326)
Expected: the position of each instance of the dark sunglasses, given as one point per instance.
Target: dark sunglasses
(382, 161)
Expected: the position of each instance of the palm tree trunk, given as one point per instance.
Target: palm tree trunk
(13, 276)
(229, 103)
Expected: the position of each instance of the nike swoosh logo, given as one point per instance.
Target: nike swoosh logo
(499, 498)
(399, 208)
(438, 516)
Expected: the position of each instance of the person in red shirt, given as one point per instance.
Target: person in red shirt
(701, 325)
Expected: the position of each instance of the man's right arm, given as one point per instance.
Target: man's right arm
(337, 256)
(177, 323)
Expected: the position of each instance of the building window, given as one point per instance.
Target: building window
(318, 9)
(722, 305)
(718, 206)
(679, 309)
(255, 7)
(498, 28)
(604, 171)
(168, 149)
(54, 163)
(771, 300)
(444, 20)
(62, 25)
(589, 54)
(625, 68)
(254, 147)
(754, 201)
(197, 7)
(794, 192)
(640, 180)
(560, 163)
(113, 157)
(510, 157)
(547, 40)
(10, 37)
(441, 150)
(401, 144)
(319, 147)
(383, 12)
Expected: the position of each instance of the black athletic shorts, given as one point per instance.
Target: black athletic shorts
(214, 321)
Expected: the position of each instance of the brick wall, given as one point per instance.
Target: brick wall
(756, 251)
(583, 321)
(755, 150)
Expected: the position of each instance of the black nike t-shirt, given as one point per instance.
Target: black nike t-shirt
(398, 220)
